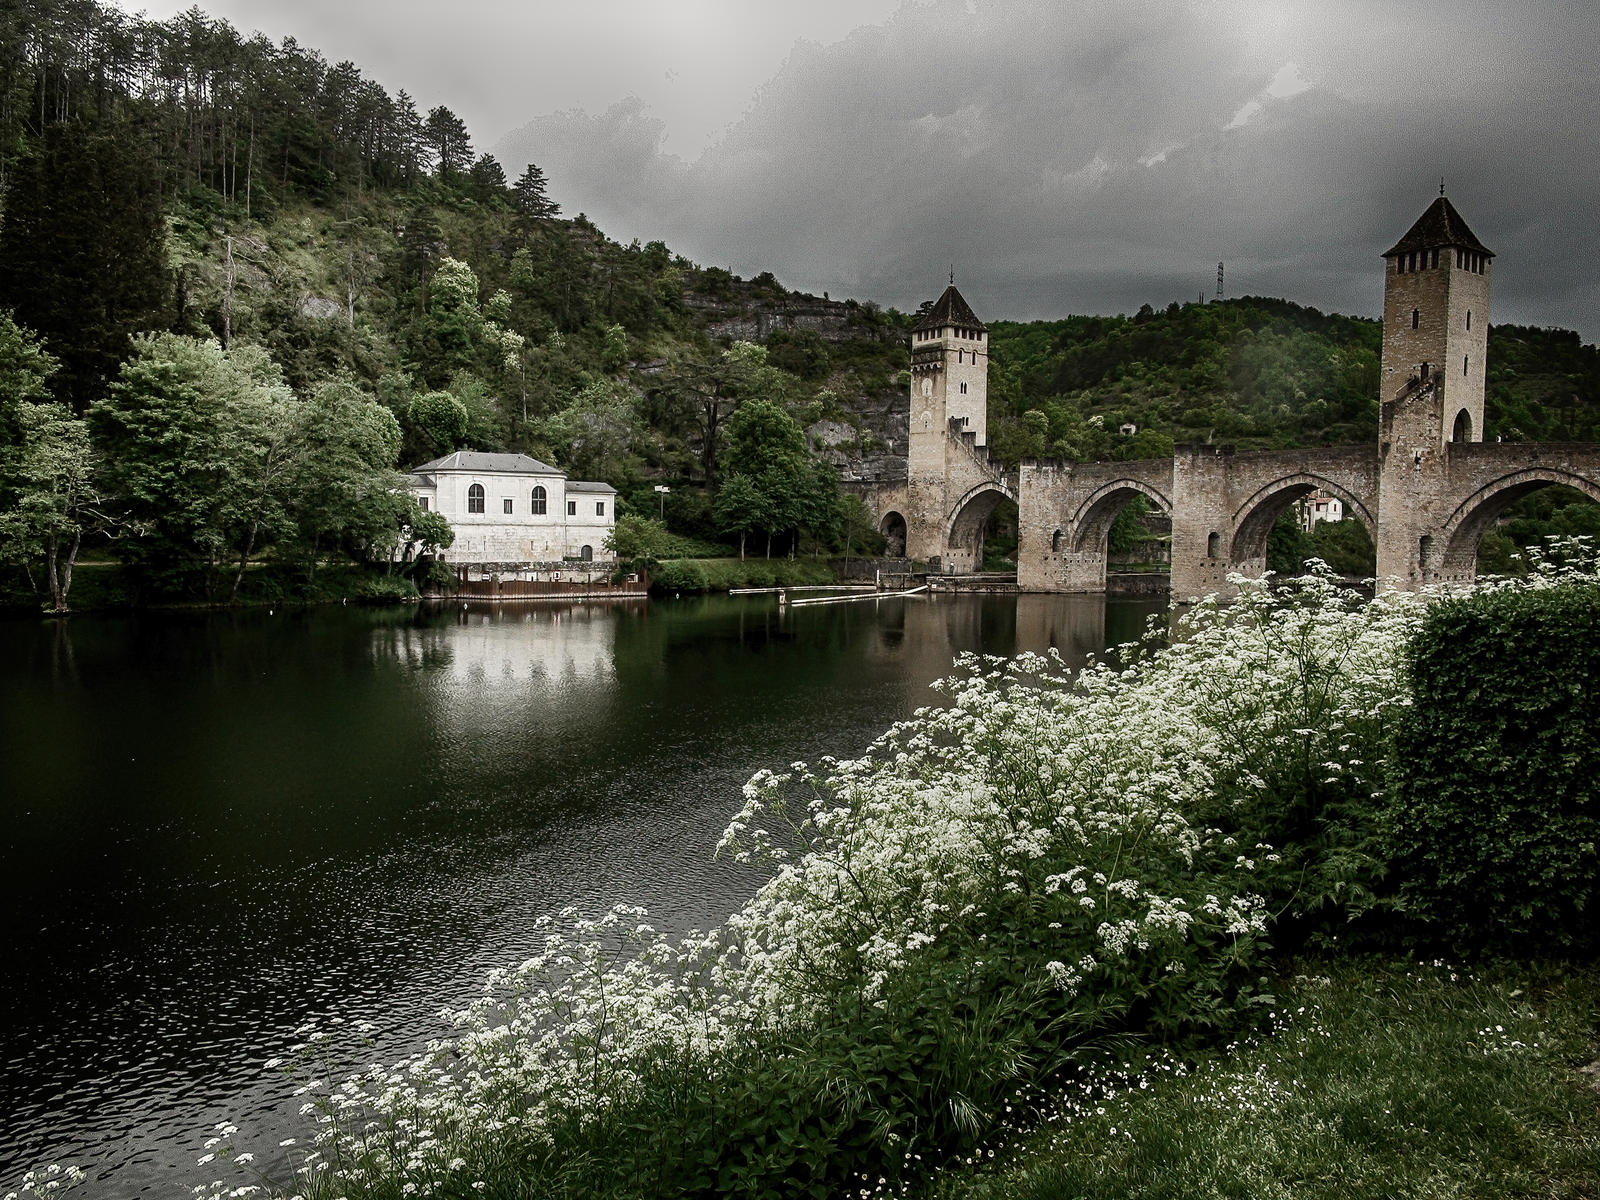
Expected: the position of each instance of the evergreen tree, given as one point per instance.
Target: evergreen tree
(88, 273)
(446, 136)
(532, 199)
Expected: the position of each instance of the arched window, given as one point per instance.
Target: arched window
(1463, 430)
(1055, 542)
(587, 554)
(475, 498)
(1213, 544)
(539, 501)
(1416, 317)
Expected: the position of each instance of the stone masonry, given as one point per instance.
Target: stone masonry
(1426, 492)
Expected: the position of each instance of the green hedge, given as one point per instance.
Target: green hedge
(1495, 770)
(720, 574)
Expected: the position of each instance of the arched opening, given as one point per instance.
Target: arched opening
(1213, 544)
(1279, 531)
(587, 554)
(1463, 427)
(1055, 542)
(893, 528)
(475, 498)
(540, 500)
(1494, 537)
(984, 531)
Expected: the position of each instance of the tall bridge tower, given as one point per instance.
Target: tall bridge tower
(949, 434)
(1435, 347)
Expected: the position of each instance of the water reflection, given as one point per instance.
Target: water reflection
(216, 827)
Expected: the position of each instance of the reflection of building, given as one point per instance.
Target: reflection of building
(509, 508)
(1319, 507)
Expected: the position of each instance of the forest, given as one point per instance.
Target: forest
(276, 286)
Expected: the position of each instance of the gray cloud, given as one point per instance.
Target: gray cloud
(1078, 157)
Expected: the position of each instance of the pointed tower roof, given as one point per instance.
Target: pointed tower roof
(949, 309)
(1441, 225)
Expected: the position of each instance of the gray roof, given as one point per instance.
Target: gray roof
(424, 480)
(477, 460)
(584, 485)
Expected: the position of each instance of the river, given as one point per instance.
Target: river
(217, 827)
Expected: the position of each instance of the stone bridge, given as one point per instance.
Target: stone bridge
(1426, 489)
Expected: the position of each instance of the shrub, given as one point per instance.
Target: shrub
(384, 589)
(1495, 772)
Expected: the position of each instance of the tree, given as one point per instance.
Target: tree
(453, 329)
(596, 434)
(532, 199)
(87, 274)
(445, 134)
(192, 437)
(58, 496)
(440, 421)
(488, 180)
(349, 492)
(25, 370)
(778, 486)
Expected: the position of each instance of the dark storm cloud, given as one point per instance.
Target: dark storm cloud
(1077, 157)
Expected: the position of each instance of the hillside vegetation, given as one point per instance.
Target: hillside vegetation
(330, 235)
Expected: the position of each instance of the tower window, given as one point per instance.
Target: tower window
(1433, 259)
(1416, 317)
(963, 389)
(1464, 360)
(1400, 265)
(1469, 318)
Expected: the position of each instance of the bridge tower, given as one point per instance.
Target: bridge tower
(1435, 342)
(949, 415)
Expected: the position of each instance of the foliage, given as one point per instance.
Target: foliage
(384, 589)
(676, 575)
(964, 911)
(1493, 782)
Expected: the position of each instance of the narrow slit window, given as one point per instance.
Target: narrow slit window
(1416, 317)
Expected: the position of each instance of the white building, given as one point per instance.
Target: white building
(1318, 507)
(509, 508)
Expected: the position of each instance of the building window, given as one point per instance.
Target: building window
(963, 389)
(587, 554)
(1416, 317)
(505, 505)
(572, 508)
(538, 501)
(1464, 359)
(422, 503)
(599, 508)
(1433, 259)
(475, 498)
(1469, 318)
(1213, 544)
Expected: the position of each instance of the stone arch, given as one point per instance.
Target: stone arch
(1091, 524)
(1462, 432)
(893, 528)
(1256, 516)
(963, 532)
(1460, 534)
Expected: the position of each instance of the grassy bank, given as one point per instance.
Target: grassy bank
(1380, 1080)
(719, 574)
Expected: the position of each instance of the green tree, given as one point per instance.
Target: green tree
(185, 430)
(597, 435)
(54, 479)
(440, 421)
(533, 200)
(445, 135)
(348, 492)
(25, 371)
(82, 251)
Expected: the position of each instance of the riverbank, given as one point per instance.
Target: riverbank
(1371, 1079)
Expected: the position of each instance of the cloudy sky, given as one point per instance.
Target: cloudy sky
(1064, 155)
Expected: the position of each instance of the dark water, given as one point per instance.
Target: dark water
(217, 827)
